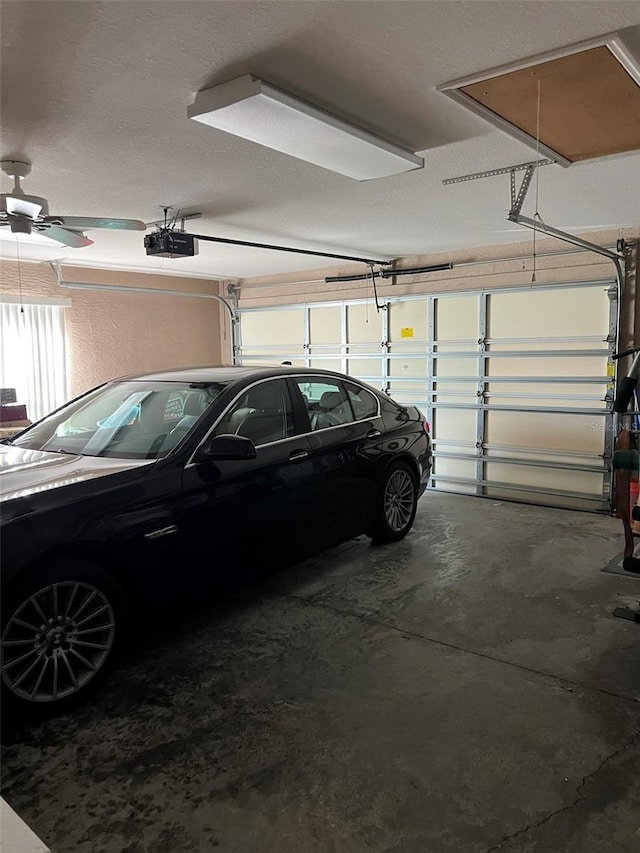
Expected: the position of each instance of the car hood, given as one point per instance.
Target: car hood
(25, 472)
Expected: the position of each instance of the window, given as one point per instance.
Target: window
(326, 401)
(128, 420)
(263, 413)
(33, 354)
(363, 402)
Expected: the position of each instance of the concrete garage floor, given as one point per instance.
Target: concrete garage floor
(465, 690)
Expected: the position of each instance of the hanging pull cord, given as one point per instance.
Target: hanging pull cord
(536, 216)
(375, 290)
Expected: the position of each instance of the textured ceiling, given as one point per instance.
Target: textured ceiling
(95, 95)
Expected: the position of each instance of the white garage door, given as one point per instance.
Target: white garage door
(519, 409)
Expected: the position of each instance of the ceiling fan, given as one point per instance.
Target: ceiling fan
(27, 213)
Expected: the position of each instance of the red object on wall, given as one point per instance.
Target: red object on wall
(13, 413)
(634, 492)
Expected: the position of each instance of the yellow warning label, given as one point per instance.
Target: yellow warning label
(611, 369)
(406, 332)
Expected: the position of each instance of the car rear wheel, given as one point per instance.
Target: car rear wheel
(61, 631)
(396, 504)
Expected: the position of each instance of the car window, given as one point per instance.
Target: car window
(264, 413)
(326, 401)
(131, 420)
(363, 402)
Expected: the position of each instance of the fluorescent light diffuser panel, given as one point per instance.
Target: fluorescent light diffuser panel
(252, 109)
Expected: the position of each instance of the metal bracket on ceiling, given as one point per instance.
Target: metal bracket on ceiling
(518, 197)
(179, 217)
(537, 224)
(490, 173)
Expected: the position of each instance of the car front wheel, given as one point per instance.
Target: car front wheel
(396, 504)
(61, 631)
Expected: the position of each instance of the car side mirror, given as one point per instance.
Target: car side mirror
(227, 447)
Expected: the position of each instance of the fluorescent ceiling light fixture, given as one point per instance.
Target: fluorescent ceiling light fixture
(252, 109)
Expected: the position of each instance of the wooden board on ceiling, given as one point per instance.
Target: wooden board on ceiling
(589, 104)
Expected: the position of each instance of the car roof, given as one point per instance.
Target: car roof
(229, 373)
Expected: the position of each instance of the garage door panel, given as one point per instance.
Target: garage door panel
(407, 366)
(454, 424)
(360, 367)
(583, 433)
(456, 367)
(457, 317)
(592, 390)
(553, 344)
(415, 386)
(527, 495)
(586, 482)
(445, 466)
(560, 365)
(363, 324)
(548, 313)
(556, 401)
(546, 479)
(442, 483)
(282, 327)
(325, 325)
(326, 363)
(408, 320)
(410, 395)
(443, 385)
(455, 348)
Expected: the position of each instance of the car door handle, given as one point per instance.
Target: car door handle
(298, 455)
(374, 433)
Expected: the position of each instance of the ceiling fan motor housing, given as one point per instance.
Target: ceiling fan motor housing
(20, 224)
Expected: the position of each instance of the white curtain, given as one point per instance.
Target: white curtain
(33, 356)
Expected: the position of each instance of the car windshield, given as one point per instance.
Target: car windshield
(129, 420)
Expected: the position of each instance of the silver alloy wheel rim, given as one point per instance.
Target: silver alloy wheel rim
(398, 500)
(56, 641)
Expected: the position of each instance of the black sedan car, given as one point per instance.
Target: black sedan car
(148, 481)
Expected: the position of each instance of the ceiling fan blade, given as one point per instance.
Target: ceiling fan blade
(67, 238)
(83, 222)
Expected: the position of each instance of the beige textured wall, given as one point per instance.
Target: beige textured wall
(111, 334)
(310, 287)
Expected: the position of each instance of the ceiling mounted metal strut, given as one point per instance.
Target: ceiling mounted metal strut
(514, 215)
(490, 173)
